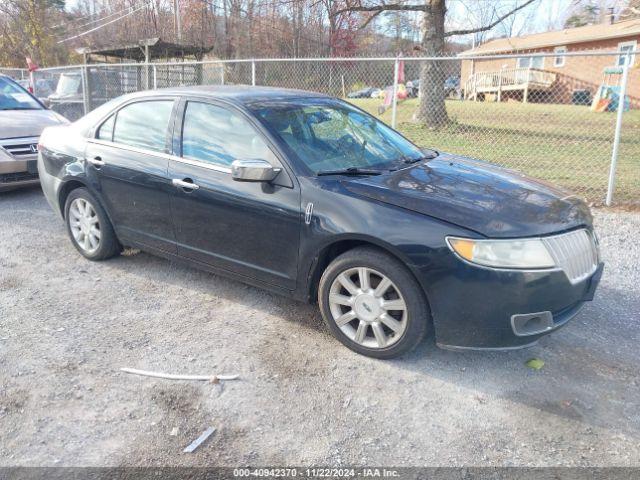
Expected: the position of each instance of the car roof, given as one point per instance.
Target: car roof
(244, 94)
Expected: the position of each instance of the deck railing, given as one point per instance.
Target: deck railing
(509, 77)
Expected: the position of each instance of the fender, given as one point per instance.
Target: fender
(313, 275)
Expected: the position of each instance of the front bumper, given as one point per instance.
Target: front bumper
(18, 172)
(475, 307)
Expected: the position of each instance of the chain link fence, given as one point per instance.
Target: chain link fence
(15, 73)
(564, 118)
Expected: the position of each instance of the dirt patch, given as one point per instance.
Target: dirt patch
(302, 397)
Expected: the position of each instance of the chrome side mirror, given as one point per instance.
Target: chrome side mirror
(253, 171)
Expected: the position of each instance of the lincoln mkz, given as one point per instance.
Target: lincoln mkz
(311, 197)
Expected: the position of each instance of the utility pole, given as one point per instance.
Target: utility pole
(176, 21)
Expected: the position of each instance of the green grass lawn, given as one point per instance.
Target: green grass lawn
(566, 144)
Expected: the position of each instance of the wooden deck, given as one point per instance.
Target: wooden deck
(508, 79)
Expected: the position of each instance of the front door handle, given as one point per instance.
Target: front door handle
(186, 184)
(96, 161)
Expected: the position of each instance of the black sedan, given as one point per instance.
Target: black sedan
(310, 197)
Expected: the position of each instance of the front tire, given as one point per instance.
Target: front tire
(372, 303)
(89, 227)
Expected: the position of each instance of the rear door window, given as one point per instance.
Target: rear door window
(144, 124)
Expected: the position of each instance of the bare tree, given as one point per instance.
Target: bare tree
(27, 30)
(432, 110)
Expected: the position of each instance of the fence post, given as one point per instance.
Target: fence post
(155, 78)
(394, 100)
(253, 73)
(222, 74)
(616, 136)
(85, 89)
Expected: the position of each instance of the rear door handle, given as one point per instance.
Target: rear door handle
(186, 184)
(96, 161)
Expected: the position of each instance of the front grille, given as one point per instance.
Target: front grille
(17, 177)
(20, 147)
(575, 252)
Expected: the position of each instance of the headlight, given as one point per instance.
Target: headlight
(525, 253)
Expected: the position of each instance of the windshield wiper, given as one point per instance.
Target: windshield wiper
(19, 108)
(355, 171)
(429, 156)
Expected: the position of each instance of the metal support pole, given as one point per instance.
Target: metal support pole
(222, 74)
(155, 78)
(253, 73)
(147, 85)
(84, 72)
(394, 100)
(616, 136)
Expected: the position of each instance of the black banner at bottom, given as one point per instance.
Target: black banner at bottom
(409, 473)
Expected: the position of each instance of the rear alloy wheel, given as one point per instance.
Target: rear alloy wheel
(89, 227)
(372, 303)
(84, 225)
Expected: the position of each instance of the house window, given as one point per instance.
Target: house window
(560, 59)
(626, 47)
(530, 62)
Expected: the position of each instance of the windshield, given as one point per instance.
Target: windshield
(12, 97)
(68, 84)
(327, 134)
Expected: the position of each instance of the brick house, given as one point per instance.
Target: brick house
(553, 79)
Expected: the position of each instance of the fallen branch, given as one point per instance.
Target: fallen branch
(171, 376)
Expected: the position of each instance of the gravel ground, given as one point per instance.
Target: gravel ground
(67, 325)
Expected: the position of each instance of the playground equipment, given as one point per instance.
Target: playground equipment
(607, 96)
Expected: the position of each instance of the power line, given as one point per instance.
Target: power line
(84, 17)
(103, 25)
(105, 18)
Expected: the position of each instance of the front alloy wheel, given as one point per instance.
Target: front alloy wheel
(368, 307)
(373, 304)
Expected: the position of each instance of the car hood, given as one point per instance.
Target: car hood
(490, 200)
(26, 123)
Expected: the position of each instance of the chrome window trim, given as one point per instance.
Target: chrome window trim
(155, 153)
(198, 163)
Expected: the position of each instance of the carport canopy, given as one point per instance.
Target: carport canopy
(147, 50)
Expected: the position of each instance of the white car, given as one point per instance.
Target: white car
(22, 119)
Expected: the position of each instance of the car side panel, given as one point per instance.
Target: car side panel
(339, 215)
(252, 228)
(135, 189)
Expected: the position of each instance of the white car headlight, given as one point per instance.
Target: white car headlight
(518, 253)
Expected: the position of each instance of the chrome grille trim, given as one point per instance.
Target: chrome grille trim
(19, 147)
(575, 252)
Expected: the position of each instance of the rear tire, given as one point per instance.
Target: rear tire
(89, 227)
(372, 303)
